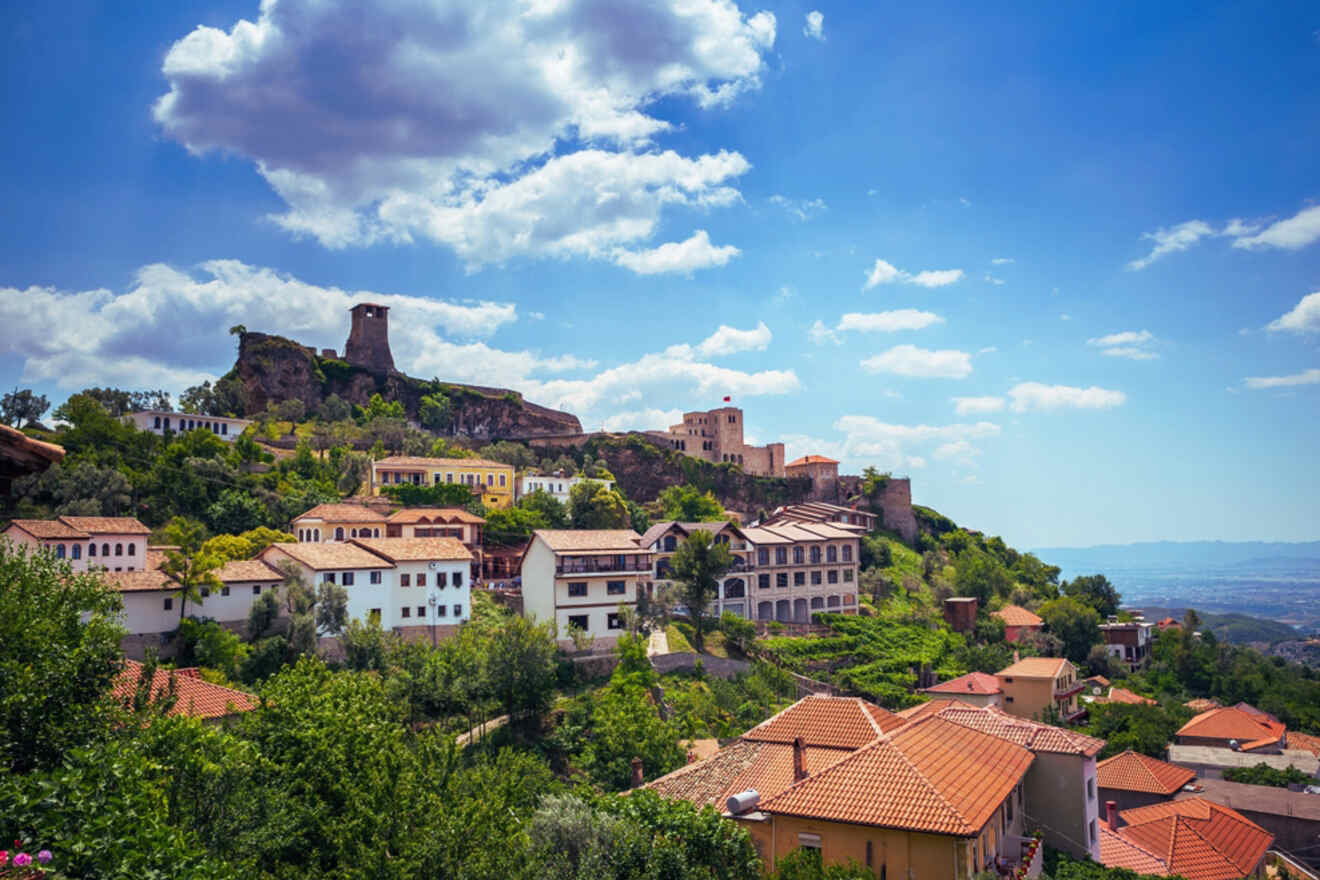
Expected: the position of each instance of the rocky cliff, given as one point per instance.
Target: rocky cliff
(272, 369)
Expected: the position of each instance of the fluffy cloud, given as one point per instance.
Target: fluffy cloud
(499, 128)
(1171, 240)
(728, 340)
(677, 256)
(1001, 261)
(1131, 344)
(1296, 232)
(909, 360)
(1036, 395)
(886, 273)
(891, 445)
(1306, 377)
(814, 26)
(972, 406)
(642, 420)
(819, 334)
(888, 322)
(1303, 317)
(801, 210)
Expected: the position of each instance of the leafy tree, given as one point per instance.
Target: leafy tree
(521, 667)
(290, 410)
(1100, 662)
(119, 402)
(638, 516)
(1264, 774)
(804, 863)
(235, 511)
(262, 614)
(378, 408)
(79, 488)
(19, 408)
(439, 495)
(687, 503)
(207, 643)
(246, 545)
(594, 505)
(436, 412)
(684, 841)
(55, 667)
(550, 508)
(512, 527)
(509, 452)
(331, 609)
(698, 565)
(191, 567)
(226, 398)
(335, 409)
(1094, 590)
(1075, 624)
(979, 574)
(1141, 727)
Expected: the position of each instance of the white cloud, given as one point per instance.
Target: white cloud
(1302, 318)
(972, 406)
(1296, 232)
(815, 25)
(1131, 344)
(642, 420)
(1002, 261)
(674, 256)
(728, 340)
(989, 349)
(909, 360)
(801, 210)
(959, 449)
(819, 334)
(500, 128)
(888, 322)
(897, 446)
(993, 280)
(1237, 227)
(1130, 352)
(1037, 396)
(1306, 377)
(1171, 240)
(886, 273)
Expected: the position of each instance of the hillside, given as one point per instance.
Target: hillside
(1236, 628)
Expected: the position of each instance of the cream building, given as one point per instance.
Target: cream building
(662, 539)
(325, 523)
(491, 481)
(801, 568)
(1036, 686)
(580, 578)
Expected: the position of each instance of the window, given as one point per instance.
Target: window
(224, 591)
(328, 577)
(256, 589)
(374, 577)
(157, 422)
(421, 611)
(815, 560)
(119, 568)
(77, 551)
(405, 580)
(577, 621)
(781, 556)
(458, 610)
(1008, 699)
(442, 579)
(815, 578)
(348, 579)
(421, 580)
(809, 841)
(1091, 827)
(797, 556)
(831, 553)
(577, 588)
(781, 579)
(763, 581)
(206, 591)
(119, 549)
(616, 588)
(501, 481)
(833, 576)
(132, 550)
(373, 616)
(672, 544)
(799, 578)
(1090, 789)
(831, 601)
(339, 533)
(762, 556)
(91, 549)
(847, 575)
(224, 428)
(169, 603)
(868, 854)
(405, 611)
(847, 552)
(59, 551)
(458, 578)
(105, 549)
(612, 621)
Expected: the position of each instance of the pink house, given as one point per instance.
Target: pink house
(1018, 622)
(110, 543)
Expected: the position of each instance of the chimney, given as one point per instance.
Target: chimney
(637, 775)
(799, 765)
(1016, 655)
(1111, 815)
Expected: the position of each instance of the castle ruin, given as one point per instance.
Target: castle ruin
(368, 343)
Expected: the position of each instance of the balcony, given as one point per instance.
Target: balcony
(1063, 693)
(628, 563)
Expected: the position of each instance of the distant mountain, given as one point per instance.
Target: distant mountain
(1236, 628)
(1183, 554)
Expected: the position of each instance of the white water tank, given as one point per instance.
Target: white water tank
(742, 802)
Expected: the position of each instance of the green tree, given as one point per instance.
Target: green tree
(378, 408)
(509, 452)
(1141, 727)
(979, 574)
(436, 412)
(245, 545)
(687, 503)
(331, 609)
(19, 408)
(191, 567)
(512, 527)
(207, 643)
(593, 505)
(439, 495)
(698, 565)
(55, 667)
(1094, 590)
(78, 488)
(520, 667)
(1073, 623)
(335, 409)
(235, 511)
(550, 508)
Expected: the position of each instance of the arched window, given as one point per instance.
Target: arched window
(317, 534)
(77, 551)
(352, 533)
(375, 533)
(797, 555)
(105, 549)
(132, 549)
(832, 601)
(815, 555)
(817, 602)
(119, 549)
(735, 589)
(831, 553)
(157, 423)
(59, 551)
(339, 533)
(91, 549)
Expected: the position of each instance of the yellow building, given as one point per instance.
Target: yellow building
(491, 481)
(1035, 684)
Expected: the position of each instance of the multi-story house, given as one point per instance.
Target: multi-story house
(1130, 641)
(820, 512)
(717, 436)
(441, 522)
(490, 481)
(112, 543)
(326, 523)
(556, 485)
(801, 568)
(161, 422)
(1018, 622)
(579, 579)
(1038, 687)
(662, 539)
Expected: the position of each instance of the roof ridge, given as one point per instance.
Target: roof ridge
(939, 792)
(1137, 846)
(1181, 820)
(866, 713)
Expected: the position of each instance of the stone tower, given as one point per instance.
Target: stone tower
(369, 339)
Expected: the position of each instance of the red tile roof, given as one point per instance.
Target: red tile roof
(48, 529)
(971, 683)
(194, 696)
(811, 459)
(342, 513)
(765, 767)
(1201, 704)
(1035, 667)
(1034, 735)
(1131, 771)
(107, 525)
(1115, 852)
(416, 549)
(1123, 695)
(831, 722)
(1246, 724)
(930, 775)
(1016, 615)
(434, 514)
(1197, 839)
(1304, 741)
(241, 570)
(145, 581)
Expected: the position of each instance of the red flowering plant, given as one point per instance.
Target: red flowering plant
(18, 864)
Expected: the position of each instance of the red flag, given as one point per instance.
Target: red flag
(727, 398)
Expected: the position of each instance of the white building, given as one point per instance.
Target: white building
(580, 578)
(557, 485)
(112, 543)
(151, 598)
(159, 422)
(734, 588)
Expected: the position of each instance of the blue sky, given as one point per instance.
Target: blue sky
(1061, 266)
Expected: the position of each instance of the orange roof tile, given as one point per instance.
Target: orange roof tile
(811, 459)
(832, 722)
(1016, 615)
(765, 767)
(144, 581)
(1033, 735)
(1115, 852)
(194, 696)
(971, 683)
(321, 557)
(1123, 695)
(342, 513)
(416, 549)
(930, 775)
(240, 570)
(107, 525)
(1247, 726)
(434, 514)
(1304, 741)
(1201, 704)
(48, 529)
(1197, 839)
(570, 540)
(1131, 771)
(1035, 667)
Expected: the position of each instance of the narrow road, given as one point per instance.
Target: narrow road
(466, 739)
(658, 643)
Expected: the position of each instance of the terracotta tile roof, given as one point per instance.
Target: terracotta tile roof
(1016, 615)
(655, 532)
(831, 722)
(422, 461)
(1035, 667)
(240, 570)
(1131, 771)
(567, 540)
(810, 459)
(1201, 704)
(416, 549)
(155, 556)
(1123, 695)
(107, 525)
(1115, 852)
(321, 557)
(144, 581)
(930, 775)
(1197, 839)
(194, 696)
(342, 513)
(48, 529)
(827, 530)
(1034, 735)
(764, 767)
(1304, 741)
(931, 707)
(971, 683)
(433, 514)
(1250, 727)
(1099, 679)
(16, 439)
